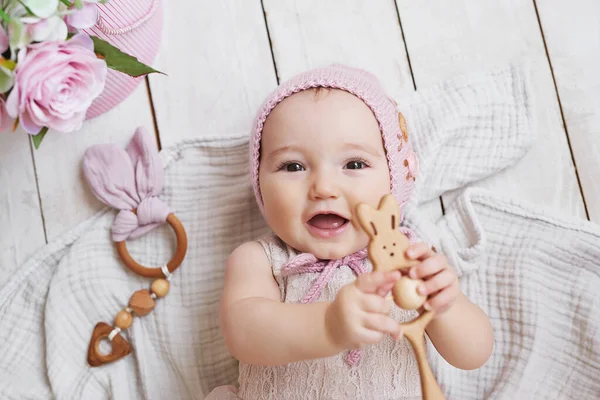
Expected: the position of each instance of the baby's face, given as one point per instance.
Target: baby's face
(320, 157)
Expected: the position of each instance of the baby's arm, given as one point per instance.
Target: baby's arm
(461, 331)
(463, 335)
(260, 329)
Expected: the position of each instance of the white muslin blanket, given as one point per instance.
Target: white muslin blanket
(535, 273)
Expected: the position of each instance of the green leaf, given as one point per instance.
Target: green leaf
(26, 8)
(119, 61)
(37, 139)
(4, 16)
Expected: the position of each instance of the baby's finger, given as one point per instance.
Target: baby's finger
(370, 336)
(441, 301)
(437, 282)
(385, 289)
(383, 323)
(429, 267)
(373, 303)
(418, 251)
(370, 283)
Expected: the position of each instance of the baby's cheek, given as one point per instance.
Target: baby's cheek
(283, 209)
(362, 238)
(274, 193)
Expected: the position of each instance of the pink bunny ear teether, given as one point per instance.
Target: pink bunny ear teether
(387, 247)
(130, 180)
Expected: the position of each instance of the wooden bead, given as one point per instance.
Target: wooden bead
(160, 287)
(141, 302)
(406, 295)
(124, 319)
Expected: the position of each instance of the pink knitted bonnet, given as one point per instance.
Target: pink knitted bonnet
(402, 161)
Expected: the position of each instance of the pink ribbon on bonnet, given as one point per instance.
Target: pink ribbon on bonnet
(128, 179)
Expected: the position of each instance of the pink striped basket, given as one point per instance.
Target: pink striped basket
(135, 27)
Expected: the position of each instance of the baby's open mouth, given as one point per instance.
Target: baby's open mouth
(327, 221)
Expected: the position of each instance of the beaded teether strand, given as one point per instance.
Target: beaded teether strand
(141, 303)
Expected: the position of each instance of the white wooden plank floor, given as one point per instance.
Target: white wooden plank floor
(222, 58)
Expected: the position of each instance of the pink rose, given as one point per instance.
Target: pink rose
(45, 30)
(83, 18)
(55, 83)
(5, 120)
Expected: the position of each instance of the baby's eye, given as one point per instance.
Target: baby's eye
(292, 167)
(356, 164)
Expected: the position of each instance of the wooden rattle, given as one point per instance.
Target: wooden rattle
(141, 303)
(387, 247)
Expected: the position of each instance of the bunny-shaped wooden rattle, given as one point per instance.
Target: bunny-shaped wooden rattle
(387, 247)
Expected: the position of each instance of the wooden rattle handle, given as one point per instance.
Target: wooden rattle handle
(414, 332)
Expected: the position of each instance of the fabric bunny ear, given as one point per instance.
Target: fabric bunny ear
(109, 172)
(128, 179)
(149, 174)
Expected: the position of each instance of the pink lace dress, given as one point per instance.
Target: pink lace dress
(387, 370)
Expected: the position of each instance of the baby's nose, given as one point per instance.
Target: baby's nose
(324, 187)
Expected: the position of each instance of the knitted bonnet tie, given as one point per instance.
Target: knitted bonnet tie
(402, 161)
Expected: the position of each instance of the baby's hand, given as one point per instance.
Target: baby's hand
(440, 279)
(359, 313)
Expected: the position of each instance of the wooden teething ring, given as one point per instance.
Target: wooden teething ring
(141, 302)
(171, 265)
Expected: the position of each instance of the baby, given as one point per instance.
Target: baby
(302, 309)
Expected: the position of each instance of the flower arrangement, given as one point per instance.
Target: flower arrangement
(50, 71)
